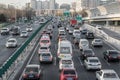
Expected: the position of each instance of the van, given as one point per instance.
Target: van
(15, 30)
(64, 49)
(45, 40)
(83, 44)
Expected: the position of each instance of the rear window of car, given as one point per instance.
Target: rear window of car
(45, 54)
(93, 60)
(72, 72)
(65, 50)
(84, 42)
(113, 53)
(45, 41)
(66, 62)
(29, 69)
(110, 75)
(43, 48)
(97, 40)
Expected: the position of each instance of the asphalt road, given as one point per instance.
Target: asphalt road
(5, 53)
(51, 71)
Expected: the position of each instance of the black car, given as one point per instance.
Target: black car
(90, 35)
(111, 55)
(87, 53)
(32, 72)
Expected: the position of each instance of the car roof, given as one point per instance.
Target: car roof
(11, 39)
(97, 39)
(66, 59)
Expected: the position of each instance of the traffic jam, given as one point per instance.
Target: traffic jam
(71, 38)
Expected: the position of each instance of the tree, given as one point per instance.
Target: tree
(84, 13)
(3, 18)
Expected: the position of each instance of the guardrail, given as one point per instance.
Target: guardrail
(13, 58)
(103, 35)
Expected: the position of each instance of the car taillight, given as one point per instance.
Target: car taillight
(109, 56)
(24, 75)
(58, 54)
(37, 75)
(50, 58)
(118, 57)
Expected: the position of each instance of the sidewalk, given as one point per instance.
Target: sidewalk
(112, 31)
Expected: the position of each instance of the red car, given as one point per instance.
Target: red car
(68, 74)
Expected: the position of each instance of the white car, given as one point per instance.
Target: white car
(29, 29)
(92, 63)
(76, 33)
(83, 44)
(97, 42)
(107, 74)
(70, 31)
(98, 27)
(66, 64)
(24, 34)
(12, 42)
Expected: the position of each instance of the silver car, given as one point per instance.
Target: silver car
(12, 42)
(97, 42)
(24, 34)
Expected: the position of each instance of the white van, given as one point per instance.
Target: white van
(64, 49)
(83, 44)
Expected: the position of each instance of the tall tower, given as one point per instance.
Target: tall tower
(52, 4)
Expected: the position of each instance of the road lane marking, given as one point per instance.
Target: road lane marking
(55, 61)
(80, 61)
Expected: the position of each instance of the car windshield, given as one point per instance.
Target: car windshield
(66, 62)
(11, 40)
(77, 32)
(24, 32)
(33, 69)
(93, 60)
(65, 50)
(110, 75)
(68, 72)
(45, 41)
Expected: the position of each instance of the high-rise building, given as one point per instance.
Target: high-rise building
(78, 5)
(45, 4)
(34, 4)
(56, 6)
(52, 4)
(39, 5)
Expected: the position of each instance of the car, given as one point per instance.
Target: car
(70, 31)
(64, 49)
(24, 34)
(46, 57)
(90, 35)
(4, 31)
(84, 31)
(83, 44)
(76, 33)
(68, 27)
(32, 72)
(68, 74)
(107, 74)
(11, 42)
(29, 28)
(66, 64)
(87, 53)
(15, 30)
(111, 55)
(43, 49)
(98, 27)
(45, 40)
(92, 63)
(97, 42)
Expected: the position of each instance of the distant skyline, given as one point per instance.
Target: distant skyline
(21, 3)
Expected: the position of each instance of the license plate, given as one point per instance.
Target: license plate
(31, 76)
(69, 78)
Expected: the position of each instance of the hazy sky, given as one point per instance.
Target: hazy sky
(22, 2)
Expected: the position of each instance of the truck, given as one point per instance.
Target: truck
(73, 22)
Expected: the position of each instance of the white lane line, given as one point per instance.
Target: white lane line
(55, 61)
(80, 61)
(106, 62)
(30, 59)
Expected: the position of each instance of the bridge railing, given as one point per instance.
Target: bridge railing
(104, 36)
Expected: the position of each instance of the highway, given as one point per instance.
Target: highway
(51, 71)
(5, 53)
